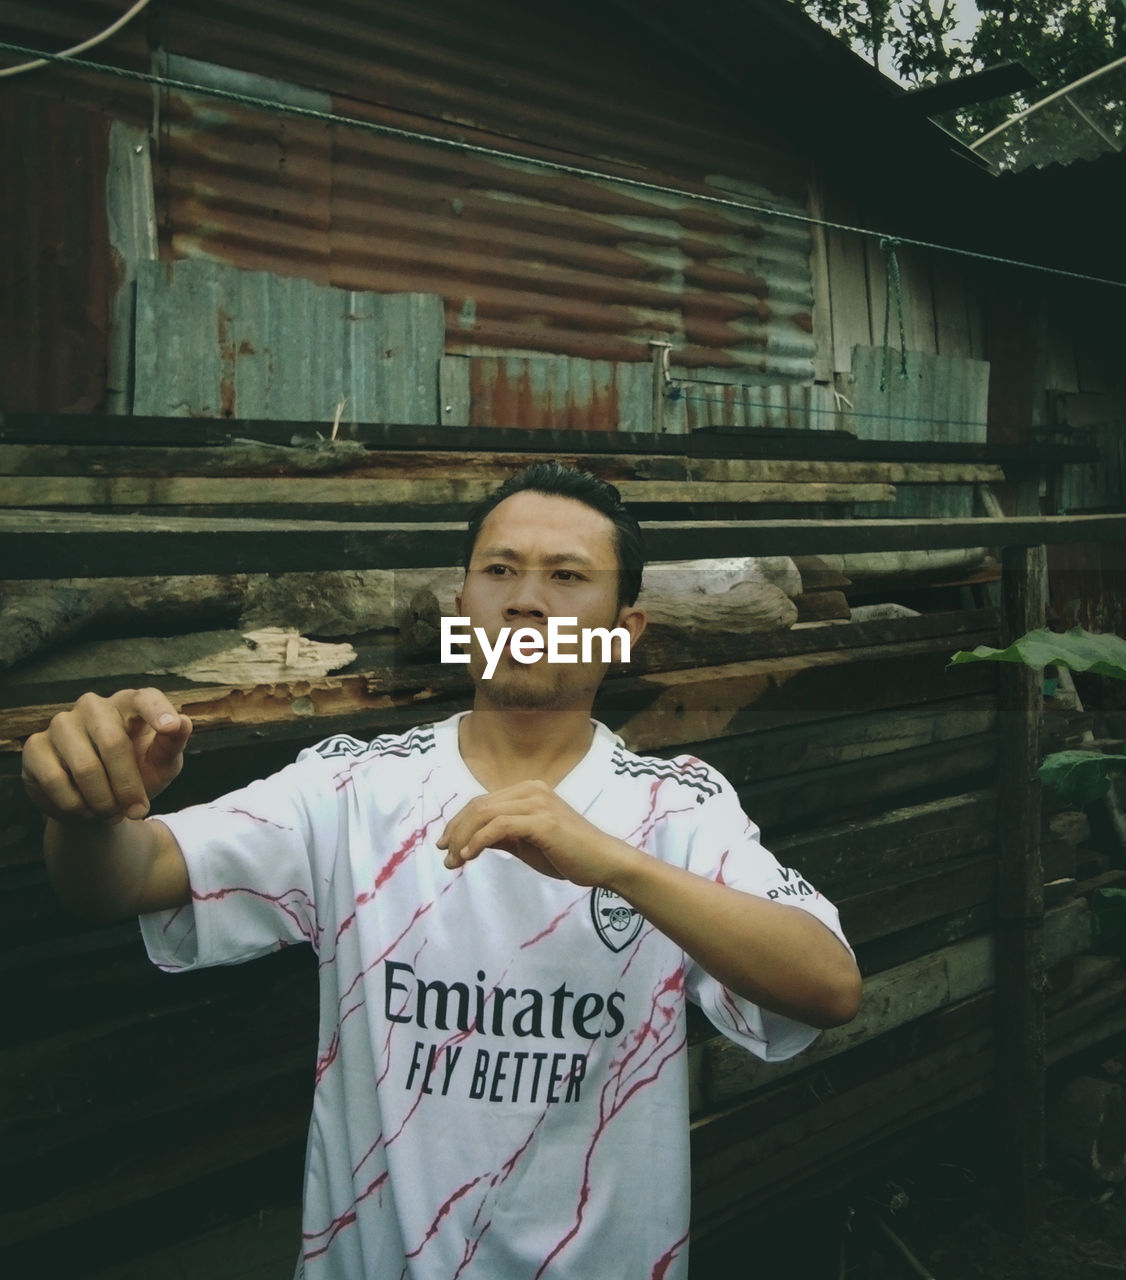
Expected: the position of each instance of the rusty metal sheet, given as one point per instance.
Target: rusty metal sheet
(547, 393)
(216, 342)
(528, 262)
(800, 407)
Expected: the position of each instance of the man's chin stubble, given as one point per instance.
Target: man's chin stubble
(512, 691)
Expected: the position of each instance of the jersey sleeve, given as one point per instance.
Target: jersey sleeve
(250, 857)
(725, 847)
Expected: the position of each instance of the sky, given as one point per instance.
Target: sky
(967, 16)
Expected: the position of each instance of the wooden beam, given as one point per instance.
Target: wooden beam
(1021, 1081)
(899, 996)
(832, 794)
(256, 458)
(437, 490)
(47, 544)
(716, 442)
(907, 839)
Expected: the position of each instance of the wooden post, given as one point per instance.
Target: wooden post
(1020, 904)
(659, 352)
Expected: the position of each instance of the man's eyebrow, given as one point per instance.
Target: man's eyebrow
(560, 558)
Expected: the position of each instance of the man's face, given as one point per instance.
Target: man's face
(539, 556)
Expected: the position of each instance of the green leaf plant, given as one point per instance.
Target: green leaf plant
(1081, 777)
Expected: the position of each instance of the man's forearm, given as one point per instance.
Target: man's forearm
(105, 872)
(778, 956)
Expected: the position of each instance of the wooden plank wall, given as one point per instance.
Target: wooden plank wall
(136, 1104)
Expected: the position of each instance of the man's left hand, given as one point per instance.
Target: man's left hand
(531, 822)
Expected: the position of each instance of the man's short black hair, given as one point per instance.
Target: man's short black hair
(556, 480)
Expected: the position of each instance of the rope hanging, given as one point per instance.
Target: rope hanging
(888, 246)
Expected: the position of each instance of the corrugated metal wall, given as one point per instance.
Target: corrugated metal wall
(526, 261)
(213, 342)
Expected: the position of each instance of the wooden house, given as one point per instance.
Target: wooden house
(345, 263)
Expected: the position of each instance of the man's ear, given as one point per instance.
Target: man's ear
(634, 620)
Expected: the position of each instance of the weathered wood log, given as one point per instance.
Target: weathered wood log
(420, 625)
(684, 580)
(436, 490)
(311, 708)
(818, 575)
(862, 613)
(37, 615)
(345, 603)
(265, 655)
(868, 570)
(735, 594)
(821, 606)
(323, 457)
(653, 712)
(38, 544)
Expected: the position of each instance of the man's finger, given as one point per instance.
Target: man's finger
(169, 741)
(497, 833)
(481, 811)
(45, 777)
(78, 753)
(116, 752)
(150, 705)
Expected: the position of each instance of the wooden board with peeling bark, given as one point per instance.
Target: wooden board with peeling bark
(342, 457)
(382, 495)
(36, 543)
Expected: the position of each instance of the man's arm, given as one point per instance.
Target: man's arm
(93, 773)
(776, 955)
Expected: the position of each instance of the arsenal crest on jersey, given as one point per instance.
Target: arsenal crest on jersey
(615, 921)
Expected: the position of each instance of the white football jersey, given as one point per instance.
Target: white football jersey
(501, 1082)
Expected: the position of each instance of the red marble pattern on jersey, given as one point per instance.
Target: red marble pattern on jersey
(327, 1235)
(394, 861)
(648, 1051)
(303, 916)
(656, 1043)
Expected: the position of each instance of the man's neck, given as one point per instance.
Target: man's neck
(504, 747)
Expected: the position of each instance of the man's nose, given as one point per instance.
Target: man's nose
(527, 598)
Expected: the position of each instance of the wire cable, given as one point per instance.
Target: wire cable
(553, 166)
(78, 48)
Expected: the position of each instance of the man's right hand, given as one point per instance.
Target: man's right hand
(106, 758)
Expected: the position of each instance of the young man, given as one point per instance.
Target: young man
(509, 909)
